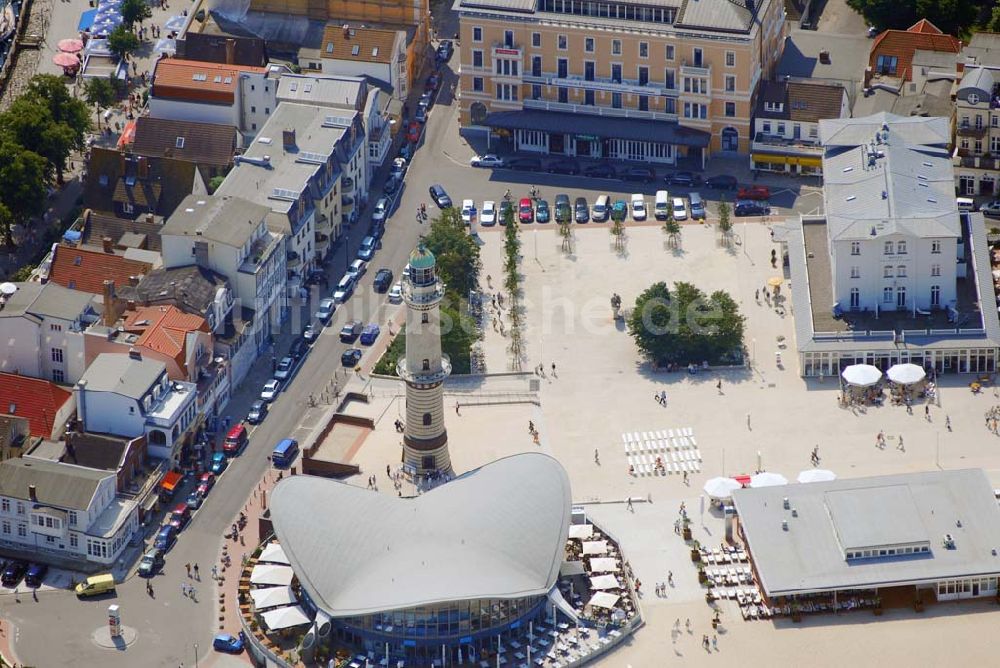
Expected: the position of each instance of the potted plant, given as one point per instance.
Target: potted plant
(796, 612)
(696, 551)
(687, 529)
(702, 575)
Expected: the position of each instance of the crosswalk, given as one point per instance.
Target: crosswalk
(676, 449)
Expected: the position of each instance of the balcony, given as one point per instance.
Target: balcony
(324, 224)
(764, 142)
(347, 204)
(322, 243)
(293, 260)
(631, 86)
(595, 110)
(970, 130)
(346, 185)
(965, 158)
(690, 70)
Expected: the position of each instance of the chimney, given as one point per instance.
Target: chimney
(134, 354)
(230, 51)
(108, 244)
(347, 30)
(133, 281)
(130, 305)
(110, 315)
(32, 494)
(288, 138)
(143, 167)
(149, 218)
(824, 57)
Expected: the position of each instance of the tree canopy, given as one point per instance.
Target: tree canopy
(101, 93)
(22, 196)
(686, 325)
(122, 41)
(952, 16)
(456, 251)
(135, 11)
(457, 338)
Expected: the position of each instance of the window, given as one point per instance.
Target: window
(426, 364)
(901, 248)
(696, 56)
(477, 84)
(536, 39)
(887, 295)
(424, 318)
(886, 65)
(730, 59)
(477, 58)
(128, 208)
(887, 250)
(973, 98)
(887, 271)
(22, 530)
(57, 355)
(58, 376)
(670, 52)
(6, 526)
(253, 109)
(730, 83)
(935, 270)
(427, 419)
(563, 95)
(588, 44)
(562, 42)
(644, 49)
(781, 129)
(730, 109)
(765, 127)
(5, 504)
(616, 100)
(72, 518)
(477, 34)
(616, 47)
(901, 271)
(936, 246)
(855, 272)
(508, 38)
(536, 92)
(55, 328)
(935, 295)
(855, 248)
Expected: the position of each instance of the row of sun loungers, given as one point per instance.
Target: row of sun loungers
(676, 449)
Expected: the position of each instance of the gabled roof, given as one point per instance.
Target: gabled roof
(201, 143)
(902, 43)
(979, 78)
(326, 90)
(228, 220)
(471, 538)
(34, 399)
(211, 48)
(801, 102)
(49, 300)
(96, 226)
(55, 483)
(197, 81)
(366, 45)
(192, 288)
(175, 179)
(721, 15)
(164, 329)
(86, 269)
(118, 373)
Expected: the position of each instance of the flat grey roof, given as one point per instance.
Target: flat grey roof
(848, 57)
(498, 531)
(810, 555)
(327, 90)
(56, 484)
(232, 221)
(50, 300)
(119, 373)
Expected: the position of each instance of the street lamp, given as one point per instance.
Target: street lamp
(196, 655)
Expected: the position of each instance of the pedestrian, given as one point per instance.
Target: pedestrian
(718, 386)
(748, 421)
(677, 526)
(947, 422)
(553, 368)
(628, 504)
(197, 575)
(457, 406)
(663, 397)
(927, 412)
(184, 588)
(194, 593)
(756, 295)
(685, 477)
(188, 566)
(900, 446)
(531, 427)
(715, 642)
(389, 475)
(687, 624)
(704, 642)
(670, 578)
(215, 572)
(597, 457)
(149, 588)
(677, 623)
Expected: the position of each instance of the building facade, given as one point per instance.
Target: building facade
(977, 141)
(630, 81)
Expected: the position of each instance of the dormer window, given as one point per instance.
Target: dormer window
(774, 106)
(973, 98)
(179, 143)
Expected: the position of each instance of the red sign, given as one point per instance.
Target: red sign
(508, 52)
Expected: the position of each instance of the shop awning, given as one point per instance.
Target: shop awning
(616, 127)
(171, 480)
(809, 161)
(769, 157)
(774, 158)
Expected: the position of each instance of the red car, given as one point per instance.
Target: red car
(413, 132)
(753, 192)
(525, 211)
(180, 516)
(205, 483)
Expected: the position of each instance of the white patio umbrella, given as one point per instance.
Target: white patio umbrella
(273, 554)
(271, 574)
(721, 488)
(768, 479)
(861, 375)
(270, 597)
(816, 475)
(906, 374)
(7, 288)
(283, 618)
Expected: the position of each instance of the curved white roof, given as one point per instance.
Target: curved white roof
(495, 532)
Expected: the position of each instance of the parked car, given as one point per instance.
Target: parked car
(525, 210)
(299, 348)
(488, 216)
(383, 280)
(542, 214)
(563, 211)
(150, 563)
(565, 166)
(487, 160)
(581, 210)
(421, 113)
(311, 332)
(751, 207)
(505, 206)
(432, 82)
(13, 572)
(620, 210)
(525, 164)
(468, 211)
(638, 207)
(398, 168)
(227, 642)
(194, 500)
(205, 483)
(427, 99)
(686, 179)
(440, 197)
(697, 206)
(218, 464)
(721, 182)
(351, 357)
(325, 311)
(396, 292)
(270, 390)
(381, 210)
(444, 50)
(35, 575)
(601, 170)
(180, 516)
(367, 250)
(991, 209)
(369, 334)
(343, 291)
(284, 368)
(258, 411)
(235, 439)
(679, 208)
(350, 331)
(753, 192)
(165, 538)
(643, 174)
(391, 185)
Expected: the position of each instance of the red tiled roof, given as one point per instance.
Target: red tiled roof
(902, 43)
(164, 329)
(86, 270)
(32, 398)
(195, 80)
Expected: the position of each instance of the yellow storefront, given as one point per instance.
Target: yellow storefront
(787, 164)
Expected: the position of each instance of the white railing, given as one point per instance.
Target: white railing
(594, 110)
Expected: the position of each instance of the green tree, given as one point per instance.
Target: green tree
(53, 92)
(122, 42)
(951, 16)
(214, 183)
(672, 229)
(456, 342)
(994, 23)
(101, 93)
(29, 123)
(135, 11)
(725, 224)
(457, 253)
(686, 326)
(617, 230)
(23, 195)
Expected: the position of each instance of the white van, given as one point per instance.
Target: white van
(662, 207)
(965, 204)
(602, 208)
(638, 207)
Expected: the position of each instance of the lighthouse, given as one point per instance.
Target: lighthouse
(424, 369)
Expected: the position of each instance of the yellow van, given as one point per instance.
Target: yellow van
(96, 585)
